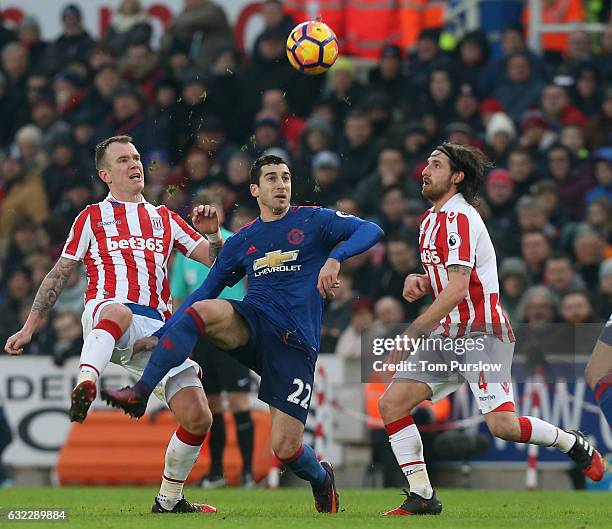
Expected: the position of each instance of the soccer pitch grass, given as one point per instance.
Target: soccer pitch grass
(129, 508)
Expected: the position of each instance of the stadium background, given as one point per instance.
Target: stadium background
(203, 92)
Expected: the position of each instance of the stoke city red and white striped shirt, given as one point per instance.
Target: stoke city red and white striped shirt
(458, 235)
(125, 247)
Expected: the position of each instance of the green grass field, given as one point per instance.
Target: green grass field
(128, 508)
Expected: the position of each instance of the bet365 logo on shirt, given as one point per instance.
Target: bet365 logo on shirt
(136, 243)
(430, 257)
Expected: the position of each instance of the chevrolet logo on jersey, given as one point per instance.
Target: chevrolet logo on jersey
(275, 258)
(275, 262)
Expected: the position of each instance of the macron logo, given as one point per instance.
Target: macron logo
(135, 243)
(109, 223)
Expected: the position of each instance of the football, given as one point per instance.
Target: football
(312, 47)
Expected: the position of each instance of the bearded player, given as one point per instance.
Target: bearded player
(125, 244)
(461, 275)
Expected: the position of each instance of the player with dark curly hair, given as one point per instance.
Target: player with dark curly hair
(461, 275)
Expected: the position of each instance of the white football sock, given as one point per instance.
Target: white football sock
(98, 347)
(408, 449)
(86, 374)
(181, 455)
(538, 432)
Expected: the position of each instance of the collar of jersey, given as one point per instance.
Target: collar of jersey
(112, 199)
(457, 197)
(260, 220)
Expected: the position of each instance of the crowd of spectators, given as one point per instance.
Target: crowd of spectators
(200, 111)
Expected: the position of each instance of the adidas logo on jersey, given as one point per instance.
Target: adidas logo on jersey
(136, 243)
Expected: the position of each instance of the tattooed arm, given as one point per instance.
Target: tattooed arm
(206, 221)
(50, 289)
(206, 252)
(213, 249)
(460, 270)
(454, 293)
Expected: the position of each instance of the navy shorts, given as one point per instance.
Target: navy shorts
(286, 365)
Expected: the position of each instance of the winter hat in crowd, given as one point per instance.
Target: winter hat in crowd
(603, 153)
(512, 266)
(29, 134)
(326, 159)
(489, 106)
(533, 117)
(343, 64)
(280, 152)
(500, 176)
(265, 118)
(499, 122)
(322, 125)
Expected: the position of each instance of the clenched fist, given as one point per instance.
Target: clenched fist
(415, 287)
(14, 345)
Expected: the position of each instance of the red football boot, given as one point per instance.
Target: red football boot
(81, 398)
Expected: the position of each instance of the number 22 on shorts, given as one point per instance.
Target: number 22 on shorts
(294, 397)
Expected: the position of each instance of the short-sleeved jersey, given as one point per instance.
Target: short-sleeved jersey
(125, 247)
(282, 260)
(186, 275)
(458, 235)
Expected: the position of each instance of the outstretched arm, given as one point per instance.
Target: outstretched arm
(365, 235)
(50, 289)
(358, 236)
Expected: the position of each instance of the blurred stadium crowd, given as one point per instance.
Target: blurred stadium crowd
(356, 139)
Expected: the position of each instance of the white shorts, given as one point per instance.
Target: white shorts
(490, 390)
(185, 375)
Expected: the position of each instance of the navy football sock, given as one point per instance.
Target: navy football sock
(305, 465)
(174, 347)
(603, 396)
